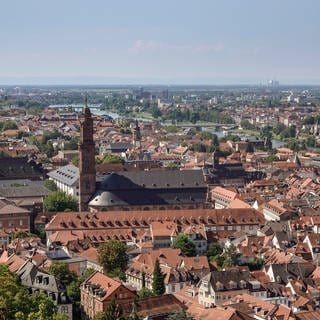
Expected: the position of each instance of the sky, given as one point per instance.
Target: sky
(159, 41)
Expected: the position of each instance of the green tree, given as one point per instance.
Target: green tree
(60, 316)
(72, 144)
(13, 297)
(156, 112)
(311, 141)
(215, 141)
(75, 161)
(294, 144)
(9, 125)
(17, 304)
(187, 247)
(112, 256)
(73, 292)
(113, 312)
(158, 286)
(198, 147)
(60, 201)
(214, 249)
(61, 271)
(231, 256)
(266, 132)
(145, 293)
(50, 184)
(44, 305)
(180, 315)
(219, 260)
(110, 158)
(249, 148)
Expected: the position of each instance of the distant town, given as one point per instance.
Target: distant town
(160, 202)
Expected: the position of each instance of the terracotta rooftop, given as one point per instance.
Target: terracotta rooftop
(143, 219)
(103, 282)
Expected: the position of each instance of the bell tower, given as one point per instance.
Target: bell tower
(87, 167)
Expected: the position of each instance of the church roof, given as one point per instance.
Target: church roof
(150, 188)
(155, 179)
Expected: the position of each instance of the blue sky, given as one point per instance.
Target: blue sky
(159, 42)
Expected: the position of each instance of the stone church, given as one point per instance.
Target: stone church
(155, 189)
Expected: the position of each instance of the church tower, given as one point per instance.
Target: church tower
(136, 136)
(87, 167)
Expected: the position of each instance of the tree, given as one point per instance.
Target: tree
(46, 307)
(113, 312)
(214, 249)
(133, 315)
(73, 292)
(198, 147)
(266, 132)
(156, 112)
(17, 304)
(61, 271)
(215, 141)
(60, 201)
(13, 297)
(112, 256)
(231, 256)
(75, 161)
(249, 148)
(219, 260)
(50, 184)
(158, 286)
(110, 158)
(180, 315)
(72, 144)
(145, 293)
(9, 125)
(187, 247)
(293, 144)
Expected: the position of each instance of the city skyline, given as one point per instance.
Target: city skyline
(124, 42)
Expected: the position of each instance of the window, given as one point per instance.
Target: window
(21, 223)
(232, 285)
(219, 285)
(64, 309)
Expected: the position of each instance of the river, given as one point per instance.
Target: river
(95, 109)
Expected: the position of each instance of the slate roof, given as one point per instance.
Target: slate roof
(68, 175)
(154, 187)
(118, 147)
(155, 179)
(225, 277)
(22, 188)
(31, 277)
(20, 168)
